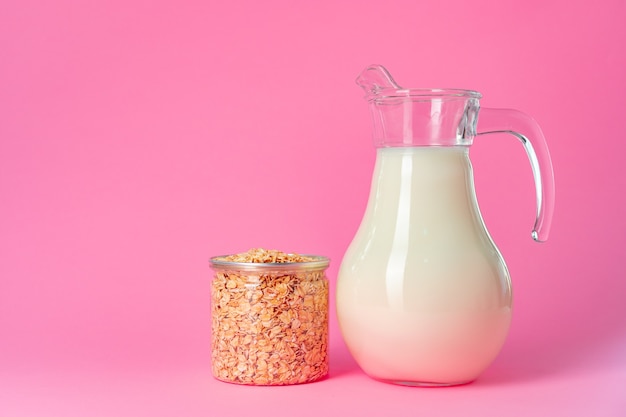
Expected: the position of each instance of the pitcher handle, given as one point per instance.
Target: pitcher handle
(526, 129)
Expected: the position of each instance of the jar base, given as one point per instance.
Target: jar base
(272, 383)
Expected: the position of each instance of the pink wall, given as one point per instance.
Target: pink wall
(139, 138)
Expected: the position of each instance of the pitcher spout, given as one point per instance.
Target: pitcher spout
(375, 78)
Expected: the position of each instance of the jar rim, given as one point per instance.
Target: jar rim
(318, 262)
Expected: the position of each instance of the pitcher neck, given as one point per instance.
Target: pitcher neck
(425, 164)
(424, 176)
(440, 118)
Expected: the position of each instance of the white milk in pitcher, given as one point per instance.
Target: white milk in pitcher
(423, 295)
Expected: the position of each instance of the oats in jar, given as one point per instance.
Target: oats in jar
(269, 318)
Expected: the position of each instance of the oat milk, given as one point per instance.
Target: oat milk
(423, 295)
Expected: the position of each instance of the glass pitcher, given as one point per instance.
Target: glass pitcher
(423, 294)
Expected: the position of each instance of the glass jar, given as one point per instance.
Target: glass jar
(269, 320)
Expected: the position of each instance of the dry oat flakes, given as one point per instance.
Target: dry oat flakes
(269, 313)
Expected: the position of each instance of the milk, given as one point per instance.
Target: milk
(423, 295)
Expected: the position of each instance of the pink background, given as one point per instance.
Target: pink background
(138, 138)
